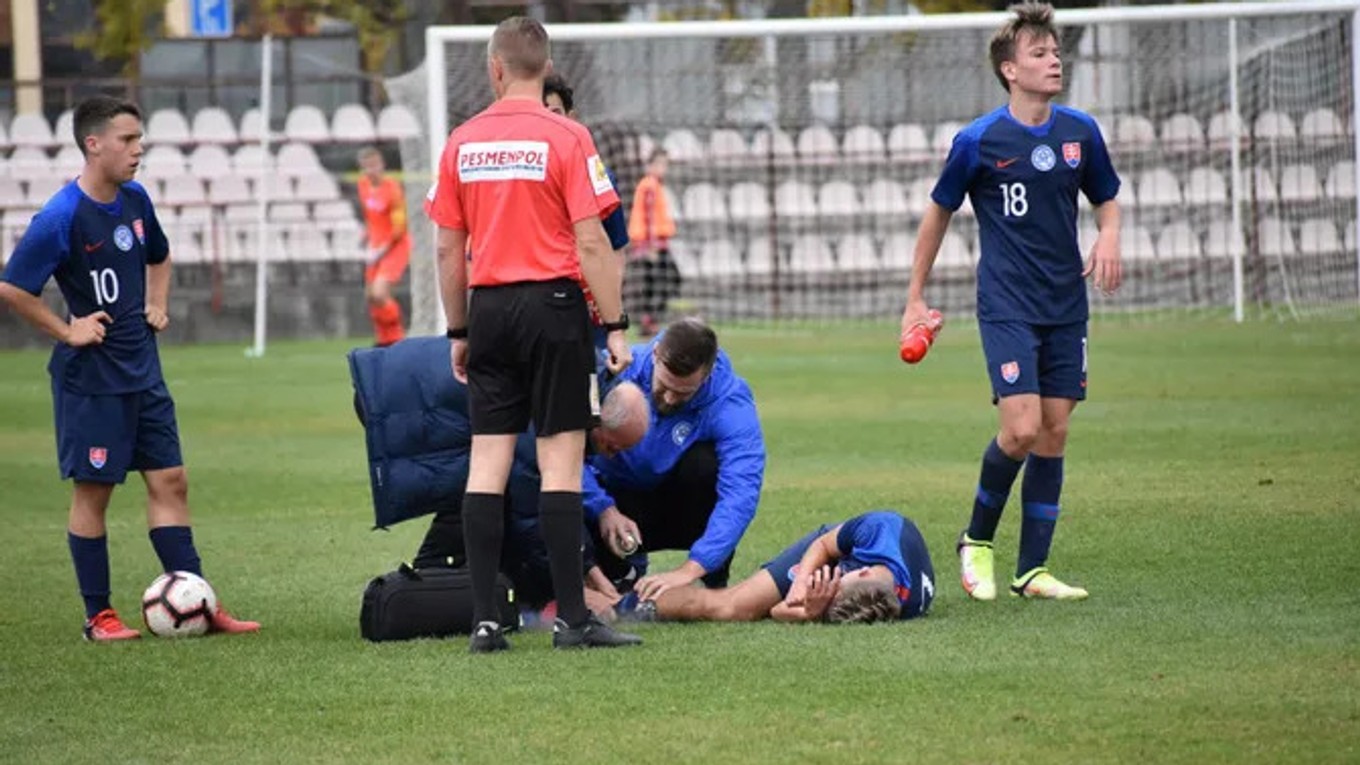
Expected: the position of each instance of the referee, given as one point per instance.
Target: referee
(518, 201)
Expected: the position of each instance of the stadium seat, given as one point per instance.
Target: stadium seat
(763, 145)
(683, 146)
(885, 198)
(944, 138)
(209, 162)
(719, 259)
(918, 195)
(1274, 126)
(759, 256)
(1276, 240)
(898, 251)
(296, 159)
(317, 186)
(11, 194)
(1206, 186)
(1182, 133)
(794, 199)
(213, 125)
(863, 143)
(1158, 187)
(29, 162)
(185, 248)
(1321, 125)
(167, 127)
(1134, 132)
(1136, 243)
(251, 160)
(1341, 181)
(818, 145)
(646, 145)
(31, 130)
(909, 143)
(1220, 129)
(183, 190)
(1299, 183)
(289, 212)
(858, 253)
(306, 123)
(838, 199)
(353, 123)
(41, 189)
(396, 123)
(703, 202)
(1266, 190)
(749, 202)
(69, 161)
(954, 252)
(251, 126)
(162, 161)
(1179, 241)
(63, 130)
(334, 210)
(686, 259)
(4, 137)
(276, 188)
(811, 254)
(725, 145)
(1317, 236)
(229, 190)
(1223, 239)
(1348, 236)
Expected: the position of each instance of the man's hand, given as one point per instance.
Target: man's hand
(652, 587)
(620, 355)
(1105, 264)
(87, 330)
(458, 353)
(615, 527)
(822, 588)
(916, 312)
(157, 318)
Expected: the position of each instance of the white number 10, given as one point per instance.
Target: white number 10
(105, 286)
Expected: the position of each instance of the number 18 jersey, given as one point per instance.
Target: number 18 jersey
(1023, 182)
(98, 254)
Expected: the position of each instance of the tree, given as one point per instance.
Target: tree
(377, 22)
(123, 29)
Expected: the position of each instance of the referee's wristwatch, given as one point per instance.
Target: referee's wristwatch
(459, 333)
(617, 326)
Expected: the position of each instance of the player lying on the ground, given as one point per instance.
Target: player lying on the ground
(870, 568)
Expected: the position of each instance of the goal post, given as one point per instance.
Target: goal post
(803, 151)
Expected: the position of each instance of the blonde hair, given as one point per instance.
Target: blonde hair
(1036, 19)
(864, 601)
(521, 44)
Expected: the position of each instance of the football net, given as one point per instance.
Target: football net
(803, 153)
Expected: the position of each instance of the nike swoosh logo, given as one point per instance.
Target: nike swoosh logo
(1005, 163)
(95, 246)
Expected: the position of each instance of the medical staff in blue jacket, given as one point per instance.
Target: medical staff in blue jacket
(693, 482)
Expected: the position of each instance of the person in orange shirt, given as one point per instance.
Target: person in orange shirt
(389, 244)
(650, 228)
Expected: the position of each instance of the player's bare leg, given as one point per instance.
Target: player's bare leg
(1040, 494)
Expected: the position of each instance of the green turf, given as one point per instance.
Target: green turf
(1210, 508)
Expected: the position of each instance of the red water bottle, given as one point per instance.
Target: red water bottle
(917, 340)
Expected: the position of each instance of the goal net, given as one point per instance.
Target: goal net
(803, 152)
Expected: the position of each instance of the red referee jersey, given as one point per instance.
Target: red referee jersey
(515, 178)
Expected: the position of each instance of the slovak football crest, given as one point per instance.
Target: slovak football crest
(139, 230)
(99, 456)
(1072, 154)
(1010, 372)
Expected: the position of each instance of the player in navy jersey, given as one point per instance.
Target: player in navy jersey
(1022, 165)
(870, 568)
(100, 239)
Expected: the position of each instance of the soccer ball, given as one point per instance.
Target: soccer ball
(178, 604)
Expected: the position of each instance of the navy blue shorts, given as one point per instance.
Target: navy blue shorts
(782, 568)
(1030, 358)
(101, 438)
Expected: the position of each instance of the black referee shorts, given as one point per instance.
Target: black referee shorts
(530, 358)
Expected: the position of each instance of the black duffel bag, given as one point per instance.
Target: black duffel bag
(429, 602)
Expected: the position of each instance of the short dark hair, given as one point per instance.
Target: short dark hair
(657, 153)
(1034, 18)
(687, 346)
(556, 83)
(93, 114)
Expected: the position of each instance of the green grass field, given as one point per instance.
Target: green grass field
(1210, 508)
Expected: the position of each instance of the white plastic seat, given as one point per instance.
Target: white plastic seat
(209, 162)
(1182, 133)
(1220, 129)
(726, 145)
(719, 258)
(1274, 126)
(863, 143)
(944, 137)
(4, 138)
(1136, 243)
(811, 253)
(41, 189)
(1266, 190)
(63, 130)
(306, 123)
(162, 161)
(703, 202)
(749, 202)
(837, 199)
(1299, 183)
(909, 143)
(251, 160)
(1206, 186)
(1134, 132)
(29, 162)
(11, 193)
(229, 190)
(918, 195)
(1321, 124)
(898, 251)
(336, 209)
(1178, 240)
(1341, 181)
(212, 125)
(1276, 240)
(31, 130)
(317, 186)
(818, 145)
(69, 161)
(794, 199)
(183, 190)
(296, 159)
(289, 212)
(885, 198)
(764, 143)
(167, 127)
(683, 146)
(1317, 236)
(1159, 187)
(396, 123)
(857, 253)
(353, 123)
(759, 256)
(1223, 239)
(954, 251)
(251, 125)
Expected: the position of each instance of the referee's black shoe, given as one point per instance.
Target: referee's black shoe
(488, 638)
(592, 633)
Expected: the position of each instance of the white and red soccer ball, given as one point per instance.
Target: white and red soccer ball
(178, 604)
